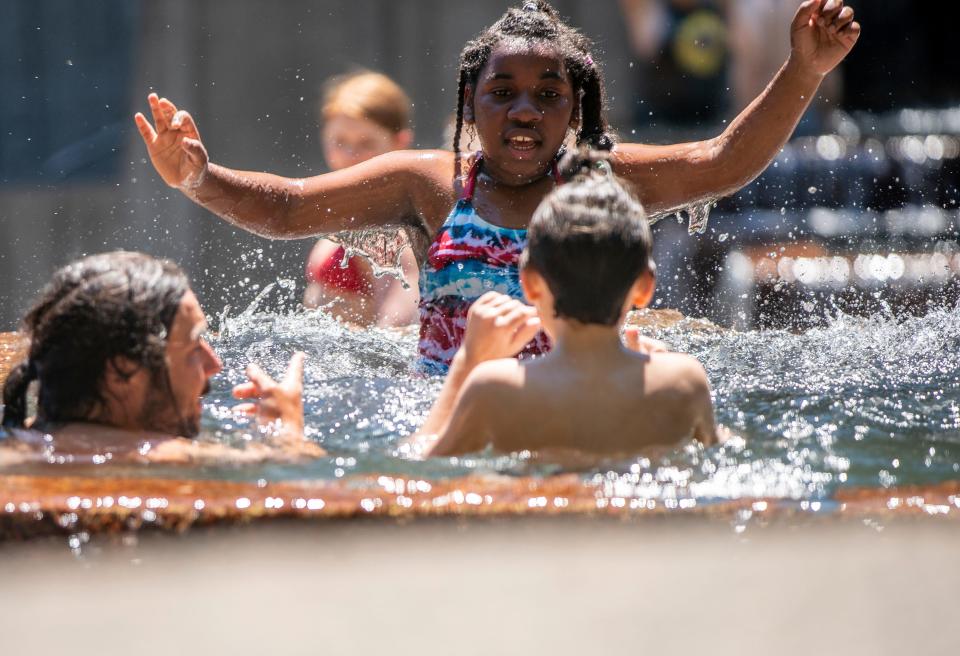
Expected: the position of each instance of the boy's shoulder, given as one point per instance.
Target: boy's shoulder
(679, 372)
(491, 375)
(491, 389)
(493, 384)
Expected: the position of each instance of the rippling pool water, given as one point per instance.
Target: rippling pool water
(861, 403)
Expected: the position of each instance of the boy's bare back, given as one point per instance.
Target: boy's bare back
(616, 403)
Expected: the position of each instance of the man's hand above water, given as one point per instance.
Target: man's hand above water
(272, 401)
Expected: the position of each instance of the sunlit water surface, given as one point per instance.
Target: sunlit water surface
(863, 402)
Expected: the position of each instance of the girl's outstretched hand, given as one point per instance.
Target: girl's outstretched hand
(822, 33)
(173, 143)
(498, 326)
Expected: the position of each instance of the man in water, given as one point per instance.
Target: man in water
(586, 264)
(117, 349)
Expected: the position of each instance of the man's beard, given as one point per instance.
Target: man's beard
(161, 414)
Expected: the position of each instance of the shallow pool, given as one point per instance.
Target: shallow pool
(869, 403)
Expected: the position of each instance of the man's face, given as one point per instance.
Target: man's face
(190, 365)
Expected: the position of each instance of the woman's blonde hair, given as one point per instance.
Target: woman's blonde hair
(367, 95)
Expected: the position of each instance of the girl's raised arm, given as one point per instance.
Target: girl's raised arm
(374, 193)
(670, 177)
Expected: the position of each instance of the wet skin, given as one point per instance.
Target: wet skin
(140, 407)
(138, 401)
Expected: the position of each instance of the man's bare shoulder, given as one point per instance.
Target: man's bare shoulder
(179, 450)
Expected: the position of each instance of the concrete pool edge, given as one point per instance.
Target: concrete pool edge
(46, 505)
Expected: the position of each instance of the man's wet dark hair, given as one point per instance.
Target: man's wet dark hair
(92, 313)
(537, 23)
(590, 241)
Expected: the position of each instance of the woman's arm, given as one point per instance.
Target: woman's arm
(374, 193)
(670, 177)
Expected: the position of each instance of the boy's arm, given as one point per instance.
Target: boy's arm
(704, 424)
(370, 194)
(469, 423)
(443, 407)
(498, 326)
(670, 177)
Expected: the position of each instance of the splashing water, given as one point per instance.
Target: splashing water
(698, 215)
(862, 402)
(867, 402)
(381, 247)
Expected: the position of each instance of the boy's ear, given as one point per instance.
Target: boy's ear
(468, 104)
(403, 139)
(532, 284)
(642, 291)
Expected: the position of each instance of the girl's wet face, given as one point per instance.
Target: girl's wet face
(522, 106)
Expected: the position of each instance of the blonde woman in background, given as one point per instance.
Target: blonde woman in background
(362, 115)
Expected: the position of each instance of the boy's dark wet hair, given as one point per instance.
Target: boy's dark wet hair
(536, 22)
(590, 241)
(93, 312)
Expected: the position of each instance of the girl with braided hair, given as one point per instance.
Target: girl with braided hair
(527, 85)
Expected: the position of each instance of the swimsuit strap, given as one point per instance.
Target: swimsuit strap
(471, 185)
(555, 172)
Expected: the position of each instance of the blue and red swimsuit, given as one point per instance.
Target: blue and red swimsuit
(467, 258)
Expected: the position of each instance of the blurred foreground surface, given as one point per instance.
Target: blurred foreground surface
(530, 586)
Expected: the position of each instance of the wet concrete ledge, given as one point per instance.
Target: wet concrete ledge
(32, 506)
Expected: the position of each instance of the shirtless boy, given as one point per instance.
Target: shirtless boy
(586, 265)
